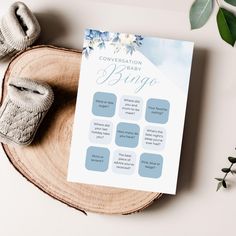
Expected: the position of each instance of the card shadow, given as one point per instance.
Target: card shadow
(188, 161)
(54, 28)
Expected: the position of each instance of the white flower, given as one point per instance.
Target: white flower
(127, 39)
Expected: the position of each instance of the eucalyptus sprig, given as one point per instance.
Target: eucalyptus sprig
(201, 11)
(222, 181)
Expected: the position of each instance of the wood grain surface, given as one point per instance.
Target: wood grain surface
(44, 163)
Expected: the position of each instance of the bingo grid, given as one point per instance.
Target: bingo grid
(126, 135)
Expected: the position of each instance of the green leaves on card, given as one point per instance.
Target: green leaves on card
(231, 2)
(226, 22)
(200, 13)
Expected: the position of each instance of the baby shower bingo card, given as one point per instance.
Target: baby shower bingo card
(130, 111)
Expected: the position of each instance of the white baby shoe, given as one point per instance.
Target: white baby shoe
(19, 29)
(23, 109)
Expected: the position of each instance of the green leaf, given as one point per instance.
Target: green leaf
(226, 22)
(219, 179)
(200, 12)
(219, 185)
(225, 170)
(231, 2)
(232, 159)
(224, 184)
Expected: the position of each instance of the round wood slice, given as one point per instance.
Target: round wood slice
(44, 163)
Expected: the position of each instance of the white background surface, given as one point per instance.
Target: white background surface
(209, 135)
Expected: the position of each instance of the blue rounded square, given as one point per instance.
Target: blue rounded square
(97, 158)
(150, 165)
(157, 111)
(127, 135)
(104, 104)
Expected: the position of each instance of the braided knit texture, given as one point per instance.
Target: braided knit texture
(5, 49)
(23, 110)
(18, 125)
(19, 29)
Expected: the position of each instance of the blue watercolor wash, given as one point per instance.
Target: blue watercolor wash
(150, 165)
(127, 135)
(157, 111)
(104, 104)
(97, 158)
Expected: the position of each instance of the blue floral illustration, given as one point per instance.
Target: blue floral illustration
(120, 41)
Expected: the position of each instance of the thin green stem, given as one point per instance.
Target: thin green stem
(225, 176)
(222, 181)
(228, 172)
